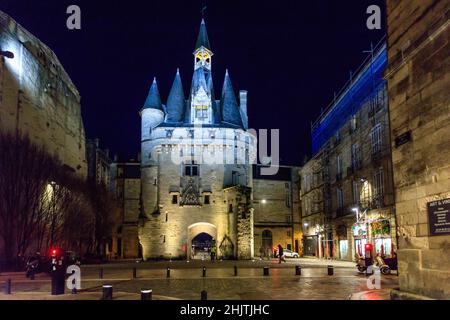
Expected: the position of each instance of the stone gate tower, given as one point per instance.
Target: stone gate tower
(195, 166)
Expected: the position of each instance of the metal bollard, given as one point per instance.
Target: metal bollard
(266, 271)
(235, 271)
(134, 273)
(204, 271)
(203, 295)
(107, 292)
(298, 271)
(8, 286)
(100, 273)
(146, 294)
(330, 270)
(168, 272)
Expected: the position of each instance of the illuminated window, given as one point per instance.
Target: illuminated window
(201, 112)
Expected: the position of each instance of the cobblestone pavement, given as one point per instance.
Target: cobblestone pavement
(186, 281)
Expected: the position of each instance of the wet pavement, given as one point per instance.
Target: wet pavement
(186, 280)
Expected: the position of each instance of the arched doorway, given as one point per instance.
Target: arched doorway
(201, 245)
(267, 242)
(200, 237)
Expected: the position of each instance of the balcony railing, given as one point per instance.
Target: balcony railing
(374, 202)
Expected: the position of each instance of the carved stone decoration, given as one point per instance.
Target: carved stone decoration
(190, 195)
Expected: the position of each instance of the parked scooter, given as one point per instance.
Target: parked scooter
(384, 268)
(360, 263)
(379, 262)
(33, 266)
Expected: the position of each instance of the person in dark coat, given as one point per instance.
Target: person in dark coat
(280, 254)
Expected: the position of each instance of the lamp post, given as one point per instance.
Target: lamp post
(52, 227)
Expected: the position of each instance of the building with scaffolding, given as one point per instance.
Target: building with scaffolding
(347, 189)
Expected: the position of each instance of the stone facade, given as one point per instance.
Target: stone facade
(277, 211)
(99, 163)
(192, 152)
(419, 100)
(347, 187)
(126, 186)
(38, 98)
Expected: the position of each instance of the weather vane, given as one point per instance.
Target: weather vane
(203, 11)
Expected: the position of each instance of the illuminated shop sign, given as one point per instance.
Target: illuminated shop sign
(359, 230)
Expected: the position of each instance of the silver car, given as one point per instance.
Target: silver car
(290, 254)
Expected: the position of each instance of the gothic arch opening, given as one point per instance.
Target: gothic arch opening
(200, 236)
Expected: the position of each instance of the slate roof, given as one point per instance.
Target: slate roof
(228, 103)
(226, 111)
(202, 39)
(176, 101)
(153, 100)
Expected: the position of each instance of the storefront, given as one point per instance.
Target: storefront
(310, 246)
(376, 231)
(359, 231)
(381, 235)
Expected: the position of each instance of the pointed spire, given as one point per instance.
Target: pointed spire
(199, 80)
(176, 100)
(228, 103)
(202, 39)
(153, 99)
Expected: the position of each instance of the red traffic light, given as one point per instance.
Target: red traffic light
(368, 247)
(54, 252)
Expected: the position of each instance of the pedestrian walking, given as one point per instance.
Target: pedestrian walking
(280, 254)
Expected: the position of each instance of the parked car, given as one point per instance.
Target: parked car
(290, 254)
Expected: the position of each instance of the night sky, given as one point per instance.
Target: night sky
(290, 55)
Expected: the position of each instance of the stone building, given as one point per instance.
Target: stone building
(38, 98)
(99, 163)
(418, 76)
(347, 192)
(196, 177)
(277, 207)
(126, 186)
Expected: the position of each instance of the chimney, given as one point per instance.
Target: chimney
(243, 107)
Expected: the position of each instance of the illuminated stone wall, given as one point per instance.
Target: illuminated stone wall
(277, 209)
(419, 101)
(38, 98)
(167, 227)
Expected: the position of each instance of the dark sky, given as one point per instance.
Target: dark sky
(290, 55)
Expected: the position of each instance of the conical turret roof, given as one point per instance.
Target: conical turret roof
(202, 38)
(228, 103)
(176, 101)
(153, 100)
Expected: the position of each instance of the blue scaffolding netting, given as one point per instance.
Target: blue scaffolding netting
(362, 88)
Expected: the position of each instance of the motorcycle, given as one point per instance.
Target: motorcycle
(32, 267)
(379, 262)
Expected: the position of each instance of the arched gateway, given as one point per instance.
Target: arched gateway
(196, 231)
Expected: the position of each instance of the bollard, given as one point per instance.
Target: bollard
(8, 286)
(100, 273)
(204, 295)
(204, 271)
(330, 270)
(168, 272)
(32, 276)
(146, 294)
(235, 271)
(298, 271)
(266, 271)
(134, 273)
(107, 292)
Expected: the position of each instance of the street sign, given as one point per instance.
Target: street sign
(439, 217)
